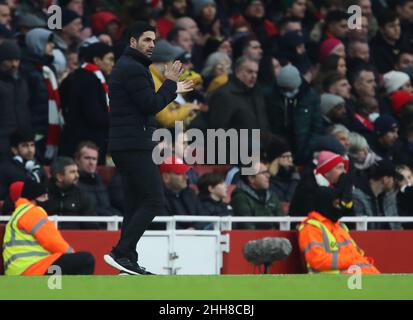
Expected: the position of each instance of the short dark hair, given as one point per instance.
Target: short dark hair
(85, 144)
(354, 74)
(335, 16)
(330, 79)
(209, 180)
(139, 27)
(96, 50)
(286, 20)
(241, 60)
(173, 36)
(386, 17)
(20, 136)
(59, 165)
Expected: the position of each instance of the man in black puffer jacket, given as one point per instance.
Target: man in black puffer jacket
(14, 95)
(134, 104)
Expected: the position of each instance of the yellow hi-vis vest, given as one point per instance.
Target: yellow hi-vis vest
(330, 244)
(21, 249)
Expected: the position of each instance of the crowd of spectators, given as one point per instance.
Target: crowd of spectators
(320, 90)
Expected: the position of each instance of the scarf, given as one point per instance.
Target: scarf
(56, 121)
(98, 73)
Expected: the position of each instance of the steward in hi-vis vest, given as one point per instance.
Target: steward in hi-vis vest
(32, 242)
(324, 241)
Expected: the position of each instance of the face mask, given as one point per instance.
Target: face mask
(291, 94)
(373, 116)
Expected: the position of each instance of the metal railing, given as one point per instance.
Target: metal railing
(220, 223)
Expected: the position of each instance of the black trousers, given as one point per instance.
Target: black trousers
(144, 197)
(78, 263)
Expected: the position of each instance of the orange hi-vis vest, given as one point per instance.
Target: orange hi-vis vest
(328, 247)
(31, 241)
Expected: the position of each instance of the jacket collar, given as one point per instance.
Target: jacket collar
(251, 192)
(325, 221)
(138, 56)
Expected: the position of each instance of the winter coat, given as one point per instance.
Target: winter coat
(185, 202)
(284, 186)
(383, 55)
(13, 169)
(14, 108)
(366, 204)
(134, 102)
(234, 106)
(246, 201)
(405, 204)
(70, 202)
(93, 186)
(306, 124)
(85, 112)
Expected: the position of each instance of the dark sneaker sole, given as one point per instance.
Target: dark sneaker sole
(110, 261)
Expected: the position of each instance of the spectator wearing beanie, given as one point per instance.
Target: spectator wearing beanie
(205, 13)
(330, 166)
(87, 115)
(294, 112)
(14, 95)
(165, 54)
(332, 46)
(376, 196)
(71, 28)
(30, 223)
(385, 142)
(105, 22)
(333, 109)
(294, 8)
(399, 99)
(284, 176)
(397, 81)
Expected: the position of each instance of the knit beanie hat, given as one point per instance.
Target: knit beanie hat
(328, 46)
(329, 101)
(384, 124)
(289, 77)
(68, 16)
(198, 5)
(33, 189)
(15, 190)
(393, 80)
(164, 51)
(328, 160)
(399, 99)
(9, 50)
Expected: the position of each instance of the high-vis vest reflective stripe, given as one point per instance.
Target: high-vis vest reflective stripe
(329, 243)
(21, 249)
